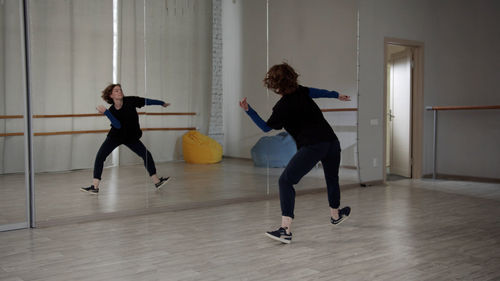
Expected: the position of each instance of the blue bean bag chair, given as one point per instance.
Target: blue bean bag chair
(274, 150)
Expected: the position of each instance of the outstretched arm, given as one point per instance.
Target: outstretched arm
(320, 93)
(115, 122)
(156, 102)
(255, 116)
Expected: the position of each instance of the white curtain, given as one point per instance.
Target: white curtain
(167, 57)
(11, 87)
(170, 61)
(71, 51)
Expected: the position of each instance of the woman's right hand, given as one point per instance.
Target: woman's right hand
(101, 109)
(244, 104)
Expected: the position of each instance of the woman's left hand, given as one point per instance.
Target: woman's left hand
(344, 98)
(165, 104)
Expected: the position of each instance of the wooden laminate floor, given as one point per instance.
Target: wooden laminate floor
(407, 230)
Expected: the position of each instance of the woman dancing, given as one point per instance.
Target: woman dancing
(299, 115)
(125, 130)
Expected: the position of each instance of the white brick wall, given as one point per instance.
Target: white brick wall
(216, 125)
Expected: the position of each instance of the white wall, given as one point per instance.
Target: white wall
(460, 68)
(318, 38)
(464, 69)
(378, 19)
(244, 66)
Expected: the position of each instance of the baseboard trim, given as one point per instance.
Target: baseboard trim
(372, 183)
(319, 163)
(178, 207)
(462, 178)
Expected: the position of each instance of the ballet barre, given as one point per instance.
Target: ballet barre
(442, 108)
(91, 115)
(338, 109)
(96, 115)
(96, 131)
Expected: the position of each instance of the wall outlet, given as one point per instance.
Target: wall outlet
(375, 162)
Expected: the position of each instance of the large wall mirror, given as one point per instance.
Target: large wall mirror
(201, 57)
(13, 191)
(319, 39)
(157, 50)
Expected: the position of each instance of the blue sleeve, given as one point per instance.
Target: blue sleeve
(319, 93)
(257, 120)
(154, 102)
(113, 120)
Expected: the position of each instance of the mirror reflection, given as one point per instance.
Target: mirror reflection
(320, 45)
(12, 122)
(179, 70)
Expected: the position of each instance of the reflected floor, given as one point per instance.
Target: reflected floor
(128, 190)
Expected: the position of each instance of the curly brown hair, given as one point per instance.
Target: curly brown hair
(106, 93)
(282, 79)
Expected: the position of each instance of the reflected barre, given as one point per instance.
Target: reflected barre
(140, 113)
(338, 109)
(96, 115)
(96, 131)
(92, 115)
(11, 116)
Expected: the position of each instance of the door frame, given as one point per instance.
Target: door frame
(417, 107)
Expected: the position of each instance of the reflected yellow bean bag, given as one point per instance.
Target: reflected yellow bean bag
(200, 149)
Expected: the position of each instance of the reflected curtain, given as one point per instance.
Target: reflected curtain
(71, 52)
(11, 87)
(167, 56)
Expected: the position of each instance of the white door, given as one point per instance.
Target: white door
(400, 83)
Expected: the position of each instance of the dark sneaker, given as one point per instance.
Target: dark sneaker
(343, 215)
(280, 235)
(162, 182)
(91, 189)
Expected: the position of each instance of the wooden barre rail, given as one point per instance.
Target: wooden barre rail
(140, 113)
(95, 132)
(338, 109)
(11, 116)
(463, 107)
(93, 115)
(104, 131)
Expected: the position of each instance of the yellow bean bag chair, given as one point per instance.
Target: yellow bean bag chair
(200, 149)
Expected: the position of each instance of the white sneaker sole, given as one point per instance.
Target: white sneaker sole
(83, 190)
(341, 221)
(157, 188)
(282, 240)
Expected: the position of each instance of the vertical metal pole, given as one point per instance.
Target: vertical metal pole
(358, 163)
(434, 147)
(28, 136)
(267, 90)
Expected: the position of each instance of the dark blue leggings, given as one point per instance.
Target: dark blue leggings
(110, 144)
(301, 163)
